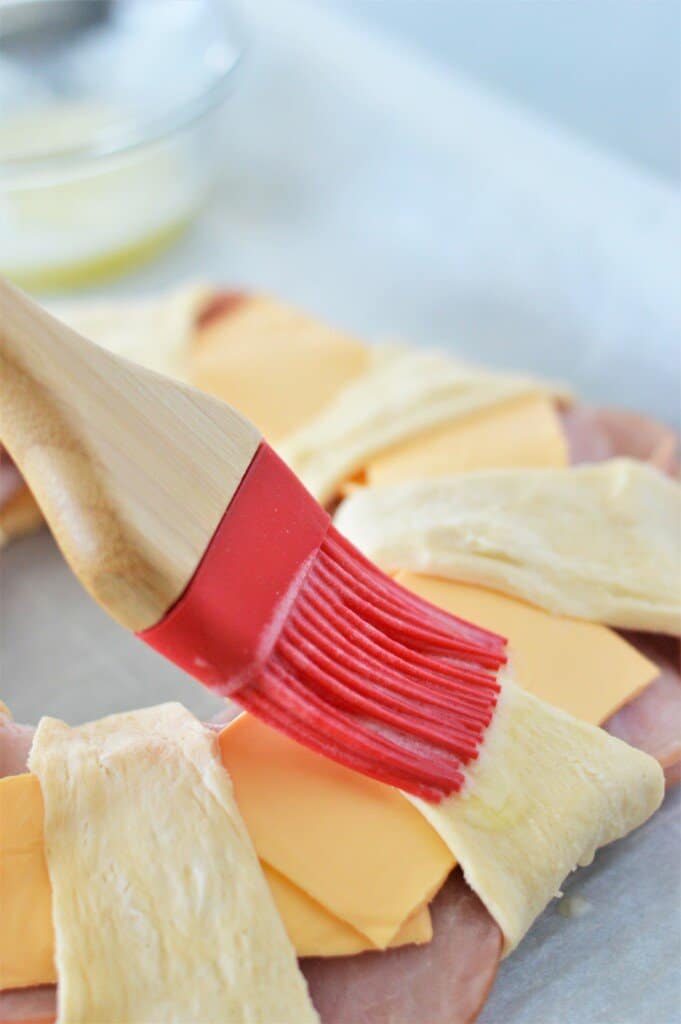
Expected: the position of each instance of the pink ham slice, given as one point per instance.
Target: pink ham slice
(10, 478)
(595, 434)
(444, 982)
(19, 513)
(15, 743)
(652, 721)
(28, 1005)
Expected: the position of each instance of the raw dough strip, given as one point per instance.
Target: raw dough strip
(546, 792)
(598, 542)
(160, 908)
(404, 393)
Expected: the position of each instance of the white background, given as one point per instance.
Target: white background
(608, 69)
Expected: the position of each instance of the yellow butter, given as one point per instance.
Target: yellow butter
(26, 931)
(355, 846)
(276, 365)
(315, 932)
(524, 432)
(584, 668)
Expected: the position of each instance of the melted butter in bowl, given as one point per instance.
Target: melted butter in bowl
(103, 163)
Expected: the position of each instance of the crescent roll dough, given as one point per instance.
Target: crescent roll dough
(161, 911)
(599, 542)
(546, 792)
(404, 393)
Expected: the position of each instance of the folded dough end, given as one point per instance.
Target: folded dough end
(546, 792)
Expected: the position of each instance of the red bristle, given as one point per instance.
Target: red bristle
(341, 690)
(375, 678)
(347, 555)
(380, 596)
(287, 618)
(281, 699)
(355, 649)
(372, 675)
(380, 592)
(344, 755)
(410, 663)
(391, 620)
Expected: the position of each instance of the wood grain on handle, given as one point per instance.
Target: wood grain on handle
(132, 470)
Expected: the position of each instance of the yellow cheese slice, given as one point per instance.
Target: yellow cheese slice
(161, 911)
(26, 932)
(353, 845)
(526, 432)
(586, 669)
(276, 365)
(314, 932)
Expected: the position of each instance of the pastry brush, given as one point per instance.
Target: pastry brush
(189, 530)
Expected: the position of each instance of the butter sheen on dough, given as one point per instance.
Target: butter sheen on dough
(161, 910)
(598, 542)
(546, 792)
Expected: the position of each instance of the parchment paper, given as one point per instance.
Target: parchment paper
(394, 199)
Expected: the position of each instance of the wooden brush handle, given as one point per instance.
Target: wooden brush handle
(132, 471)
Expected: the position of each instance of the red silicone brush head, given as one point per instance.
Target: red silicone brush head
(287, 618)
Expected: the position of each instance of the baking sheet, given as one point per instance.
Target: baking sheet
(396, 200)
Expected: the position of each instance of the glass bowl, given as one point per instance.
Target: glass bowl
(110, 129)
